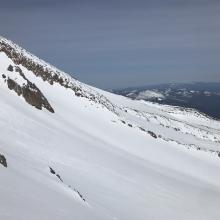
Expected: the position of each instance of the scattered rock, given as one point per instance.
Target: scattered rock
(3, 76)
(152, 134)
(3, 161)
(18, 70)
(10, 68)
(52, 170)
(54, 173)
(130, 125)
(78, 93)
(58, 176)
(80, 195)
(142, 129)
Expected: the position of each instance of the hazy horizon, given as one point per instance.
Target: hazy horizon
(120, 44)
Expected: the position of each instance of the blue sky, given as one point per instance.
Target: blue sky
(115, 44)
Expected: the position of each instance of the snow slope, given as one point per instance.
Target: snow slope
(99, 155)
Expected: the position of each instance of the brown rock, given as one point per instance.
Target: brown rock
(10, 68)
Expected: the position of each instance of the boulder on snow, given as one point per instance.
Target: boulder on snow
(52, 170)
(142, 129)
(152, 134)
(3, 161)
(10, 68)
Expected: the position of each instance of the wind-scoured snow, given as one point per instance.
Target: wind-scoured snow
(134, 160)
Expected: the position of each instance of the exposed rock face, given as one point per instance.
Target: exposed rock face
(3, 161)
(36, 68)
(49, 73)
(29, 91)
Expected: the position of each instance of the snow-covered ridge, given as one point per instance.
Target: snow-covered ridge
(23, 53)
(50, 73)
(99, 156)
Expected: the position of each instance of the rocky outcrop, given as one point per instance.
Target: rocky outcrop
(29, 92)
(49, 73)
(36, 68)
(3, 161)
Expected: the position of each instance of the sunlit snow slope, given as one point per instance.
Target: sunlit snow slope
(71, 151)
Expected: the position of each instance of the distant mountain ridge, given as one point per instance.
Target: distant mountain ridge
(205, 97)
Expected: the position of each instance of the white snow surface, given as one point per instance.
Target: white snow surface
(148, 94)
(122, 172)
